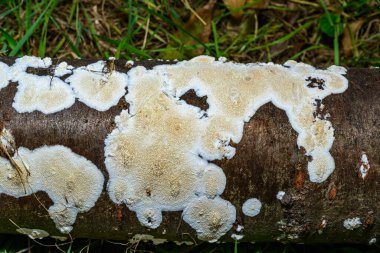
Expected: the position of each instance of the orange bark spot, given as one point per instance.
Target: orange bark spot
(332, 193)
(299, 179)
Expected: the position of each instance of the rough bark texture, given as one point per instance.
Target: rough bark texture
(267, 161)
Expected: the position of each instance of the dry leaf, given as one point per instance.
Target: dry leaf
(196, 26)
(233, 5)
(347, 39)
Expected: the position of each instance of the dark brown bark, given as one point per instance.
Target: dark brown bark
(267, 161)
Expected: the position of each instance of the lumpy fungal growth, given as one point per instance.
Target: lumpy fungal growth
(251, 207)
(158, 155)
(98, 86)
(72, 182)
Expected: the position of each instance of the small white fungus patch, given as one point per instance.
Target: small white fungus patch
(352, 223)
(98, 87)
(4, 75)
(372, 241)
(237, 237)
(33, 233)
(364, 167)
(72, 182)
(239, 228)
(158, 155)
(280, 195)
(211, 218)
(63, 69)
(251, 207)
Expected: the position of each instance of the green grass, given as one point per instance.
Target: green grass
(317, 32)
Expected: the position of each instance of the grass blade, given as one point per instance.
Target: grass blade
(29, 32)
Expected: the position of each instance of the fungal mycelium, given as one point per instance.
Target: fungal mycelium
(158, 156)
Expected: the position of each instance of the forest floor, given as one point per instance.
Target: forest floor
(321, 32)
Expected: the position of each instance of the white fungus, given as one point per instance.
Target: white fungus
(372, 241)
(158, 155)
(4, 75)
(211, 218)
(98, 87)
(280, 195)
(352, 223)
(364, 167)
(251, 207)
(47, 94)
(63, 69)
(237, 237)
(239, 228)
(72, 182)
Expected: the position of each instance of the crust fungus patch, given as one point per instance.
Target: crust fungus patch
(211, 218)
(352, 223)
(280, 195)
(251, 207)
(158, 155)
(71, 181)
(47, 94)
(4, 75)
(98, 86)
(364, 166)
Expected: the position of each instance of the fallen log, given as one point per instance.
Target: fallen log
(196, 150)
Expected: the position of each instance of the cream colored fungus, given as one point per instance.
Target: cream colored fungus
(157, 157)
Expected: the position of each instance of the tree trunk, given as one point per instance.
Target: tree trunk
(267, 161)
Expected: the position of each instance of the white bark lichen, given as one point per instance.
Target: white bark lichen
(157, 157)
(72, 182)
